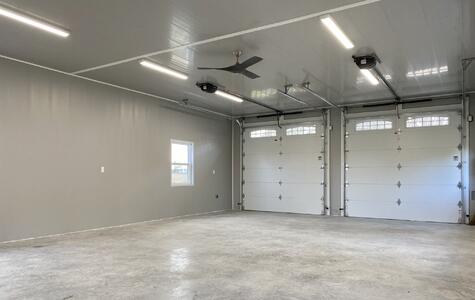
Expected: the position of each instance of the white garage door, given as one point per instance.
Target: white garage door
(407, 168)
(283, 169)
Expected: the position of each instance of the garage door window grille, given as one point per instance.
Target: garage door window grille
(261, 133)
(427, 121)
(368, 125)
(301, 130)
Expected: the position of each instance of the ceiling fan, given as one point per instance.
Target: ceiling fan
(240, 68)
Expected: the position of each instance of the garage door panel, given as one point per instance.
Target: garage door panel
(262, 189)
(261, 175)
(430, 212)
(431, 195)
(270, 160)
(302, 144)
(263, 203)
(430, 175)
(301, 160)
(302, 190)
(372, 158)
(424, 138)
(303, 175)
(283, 173)
(382, 210)
(265, 148)
(434, 157)
(372, 193)
(374, 175)
(372, 141)
(261, 145)
(296, 197)
(301, 205)
(425, 163)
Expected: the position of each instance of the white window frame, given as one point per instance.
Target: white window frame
(190, 163)
(376, 126)
(265, 135)
(431, 121)
(309, 129)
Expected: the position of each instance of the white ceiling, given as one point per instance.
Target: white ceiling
(408, 35)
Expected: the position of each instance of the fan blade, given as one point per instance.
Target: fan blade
(250, 74)
(200, 68)
(251, 61)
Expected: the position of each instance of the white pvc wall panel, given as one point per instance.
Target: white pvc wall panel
(284, 173)
(404, 173)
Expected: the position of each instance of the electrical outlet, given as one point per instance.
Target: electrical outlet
(103, 169)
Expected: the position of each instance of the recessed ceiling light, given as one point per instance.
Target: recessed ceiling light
(33, 22)
(370, 76)
(228, 96)
(337, 32)
(168, 71)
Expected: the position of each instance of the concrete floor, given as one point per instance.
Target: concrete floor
(247, 255)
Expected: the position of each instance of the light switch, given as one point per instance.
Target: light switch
(214, 172)
(103, 169)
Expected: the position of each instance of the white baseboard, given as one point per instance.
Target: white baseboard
(114, 226)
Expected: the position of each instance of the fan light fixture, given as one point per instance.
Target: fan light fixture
(11, 14)
(228, 96)
(162, 69)
(337, 32)
(370, 76)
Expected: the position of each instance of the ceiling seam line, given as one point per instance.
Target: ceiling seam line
(178, 103)
(234, 34)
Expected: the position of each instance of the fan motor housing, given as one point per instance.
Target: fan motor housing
(207, 87)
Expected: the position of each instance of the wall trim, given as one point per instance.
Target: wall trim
(113, 226)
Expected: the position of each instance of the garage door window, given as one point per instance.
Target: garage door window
(261, 133)
(368, 125)
(301, 130)
(427, 121)
(181, 163)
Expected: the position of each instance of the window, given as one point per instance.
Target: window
(427, 121)
(301, 130)
(374, 125)
(181, 163)
(260, 133)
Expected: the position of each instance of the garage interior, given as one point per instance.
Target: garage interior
(237, 149)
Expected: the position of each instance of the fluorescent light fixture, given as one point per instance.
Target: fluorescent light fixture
(32, 22)
(228, 96)
(370, 76)
(337, 32)
(156, 67)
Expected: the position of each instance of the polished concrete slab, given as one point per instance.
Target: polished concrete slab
(247, 255)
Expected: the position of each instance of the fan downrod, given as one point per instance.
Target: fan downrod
(238, 54)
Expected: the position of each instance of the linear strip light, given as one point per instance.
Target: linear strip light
(228, 96)
(337, 32)
(168, 71)
(370, 76)
(33, 22)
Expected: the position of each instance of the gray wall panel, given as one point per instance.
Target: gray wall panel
(57, 131)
